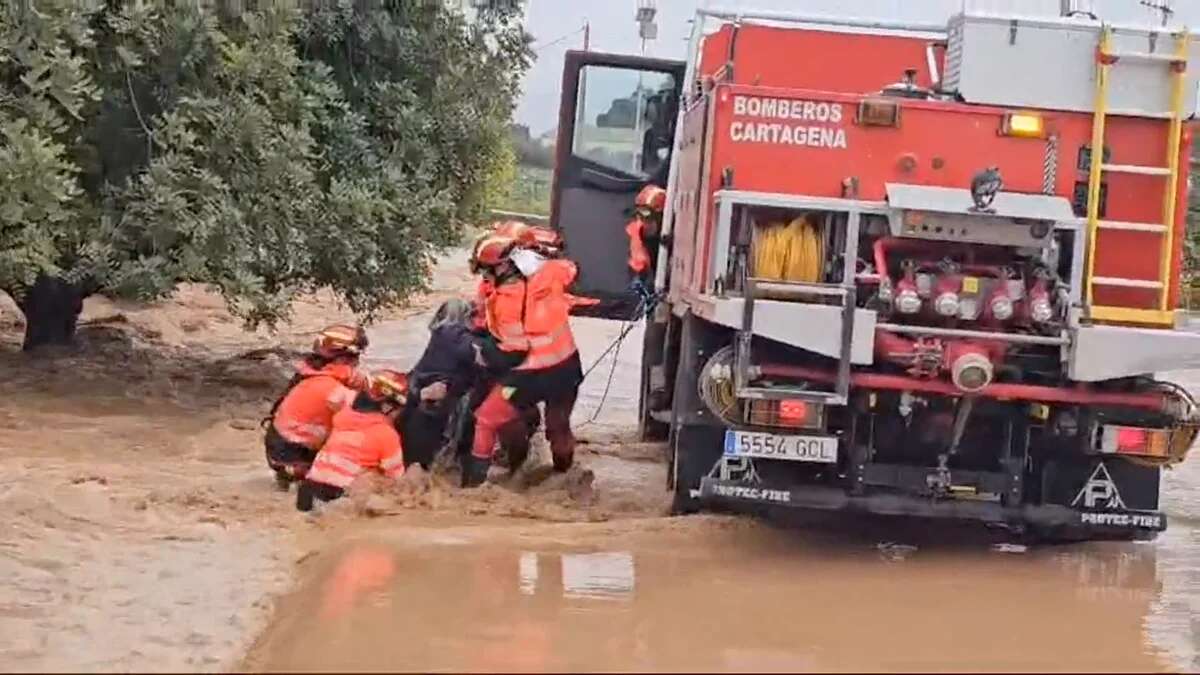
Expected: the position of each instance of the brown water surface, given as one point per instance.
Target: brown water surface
(712, 595)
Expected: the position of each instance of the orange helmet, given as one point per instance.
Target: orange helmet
(490, 250)
(340, 340)
(388, 385)
(652, 198)
(542, 238)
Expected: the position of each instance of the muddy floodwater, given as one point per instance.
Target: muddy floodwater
(734, 594)
(142, 533)
(711, 595)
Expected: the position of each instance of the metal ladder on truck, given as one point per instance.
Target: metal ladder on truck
(843, 293)
(1176, 62)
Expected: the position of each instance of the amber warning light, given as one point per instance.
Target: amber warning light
(1023, 125)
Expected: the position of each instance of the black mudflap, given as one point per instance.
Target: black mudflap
(697, 436)
(696, 450)
(1111, 496)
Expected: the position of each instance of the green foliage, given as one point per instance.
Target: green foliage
(47, 91)
(529, 192)
(503, 177)
(531, 151)
(265, 153)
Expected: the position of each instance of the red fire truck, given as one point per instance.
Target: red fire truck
(907, 270)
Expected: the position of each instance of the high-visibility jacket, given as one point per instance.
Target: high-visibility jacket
(485, 288)
(359, 442)
(306, 411)
(639, 256)
(648, 208)
(532, 315)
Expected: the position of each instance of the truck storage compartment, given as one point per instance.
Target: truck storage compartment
(1051, 64)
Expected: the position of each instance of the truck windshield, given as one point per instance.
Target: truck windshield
(622, 113)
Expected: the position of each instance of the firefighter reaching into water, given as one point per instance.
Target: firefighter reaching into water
(526, 310)
(363, 438)
(301, 418)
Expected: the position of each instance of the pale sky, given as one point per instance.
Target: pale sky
(556, 27)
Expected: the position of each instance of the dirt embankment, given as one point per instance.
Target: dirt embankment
(142, 529)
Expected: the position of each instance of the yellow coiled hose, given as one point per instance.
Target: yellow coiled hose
(788, 251)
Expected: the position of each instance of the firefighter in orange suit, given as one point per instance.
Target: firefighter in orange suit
(527, 315)
(644, 227)
(324, 381)
(363, 438)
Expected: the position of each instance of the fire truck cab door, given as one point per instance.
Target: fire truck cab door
(615, 136)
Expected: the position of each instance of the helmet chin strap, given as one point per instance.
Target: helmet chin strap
(505, 273)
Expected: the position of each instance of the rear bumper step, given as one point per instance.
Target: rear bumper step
(820, 498)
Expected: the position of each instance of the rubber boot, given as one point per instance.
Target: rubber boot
(474, 471)
(514, 443)
(304, 497)
(563, 462)
(282, 480)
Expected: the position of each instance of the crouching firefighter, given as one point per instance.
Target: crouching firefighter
(301, 418)
(526, 312)
(363, 438)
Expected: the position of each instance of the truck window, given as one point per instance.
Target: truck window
(623, 120)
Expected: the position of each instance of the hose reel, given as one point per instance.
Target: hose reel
(788, 251)
(716, 388)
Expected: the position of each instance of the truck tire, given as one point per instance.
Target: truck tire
(696, 436)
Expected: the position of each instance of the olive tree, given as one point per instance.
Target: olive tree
(264, 153)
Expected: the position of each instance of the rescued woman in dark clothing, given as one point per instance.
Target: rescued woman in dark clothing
(446, 371)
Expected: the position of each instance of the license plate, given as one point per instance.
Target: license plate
(821, 449)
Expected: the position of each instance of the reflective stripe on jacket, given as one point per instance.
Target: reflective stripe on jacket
(360, 441)
(306, 411)
(533, 315)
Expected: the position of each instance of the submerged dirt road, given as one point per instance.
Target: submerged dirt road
(707, 594)
(143, 534)
(142, 531)
(642, 592)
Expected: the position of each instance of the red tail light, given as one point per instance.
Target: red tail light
(789, 413)
(793, 413)
(1134, 441)
(1129, 439)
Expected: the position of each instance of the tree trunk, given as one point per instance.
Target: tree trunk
(51, 307)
